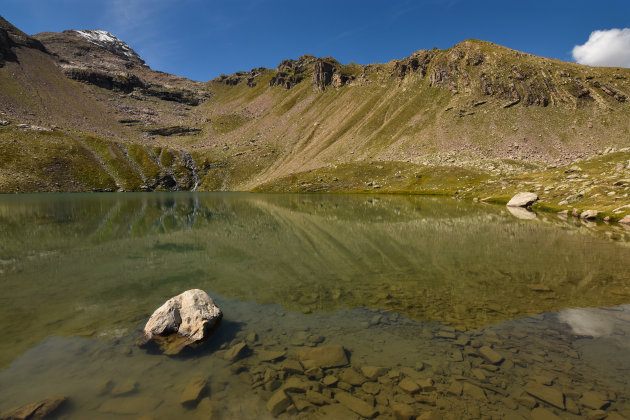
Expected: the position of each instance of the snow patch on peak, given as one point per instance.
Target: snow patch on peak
(107, 40)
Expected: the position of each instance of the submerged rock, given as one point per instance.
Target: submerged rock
(187, 319)
(522, 199)
(193, 391)
(278, 403)
(236, 352)
(323, 357)
(39, 410)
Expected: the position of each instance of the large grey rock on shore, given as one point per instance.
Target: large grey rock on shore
(522, 199)
(187, 319)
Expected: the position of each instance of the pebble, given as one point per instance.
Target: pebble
(594, 400)
(547, 394)
(314, 373)
(371, 388)
(409, 386)
(355, 404)
(291, 366)
(270, 356)
(317, 398)
(353, 377)
(193, 391)
(236, 351)
(125, 388)
(403, 411)
(596, 415)
(323, 357)
(490, 355)
(474, 392)
(373, 372)
(129, 405)
(543, 414)
(330, 380)
(278, 403)
(456, 389)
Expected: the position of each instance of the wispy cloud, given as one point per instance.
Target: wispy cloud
(605, 48)
(139, 23)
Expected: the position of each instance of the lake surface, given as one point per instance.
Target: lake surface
(419, 286)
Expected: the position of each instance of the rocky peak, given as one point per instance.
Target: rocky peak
(91, 49)
(108, 41)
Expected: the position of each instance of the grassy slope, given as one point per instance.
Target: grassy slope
(382, 132)
(407, 120)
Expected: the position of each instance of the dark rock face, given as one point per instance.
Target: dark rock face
(10, 38)
(416, 63)
(128, 82)
(120, 82)
(285, 80)
(610, 91)
(178, 130)
(167, 182)
(175, 95)
(322, 74)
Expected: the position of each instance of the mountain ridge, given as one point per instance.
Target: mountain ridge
(477, 110)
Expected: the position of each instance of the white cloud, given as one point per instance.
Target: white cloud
(605, 48)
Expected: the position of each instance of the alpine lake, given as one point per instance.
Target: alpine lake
(443, 308)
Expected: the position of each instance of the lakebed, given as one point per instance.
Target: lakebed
(421, 287)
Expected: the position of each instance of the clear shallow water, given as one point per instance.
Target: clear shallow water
(408, 283)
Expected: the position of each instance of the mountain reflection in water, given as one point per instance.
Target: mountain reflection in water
(97, 264)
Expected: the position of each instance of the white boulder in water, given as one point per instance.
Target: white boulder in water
(187, 319)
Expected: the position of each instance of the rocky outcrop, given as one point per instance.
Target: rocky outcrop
(610, 91)
(175, 130)
(416, 63)
(292, 72)
(186, 320)
(328, 73)
(322, 74)
(247, 77)
(128, 82)
(124, 82)
(183, 96)
(10, 38)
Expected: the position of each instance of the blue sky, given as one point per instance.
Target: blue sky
(202, 39)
